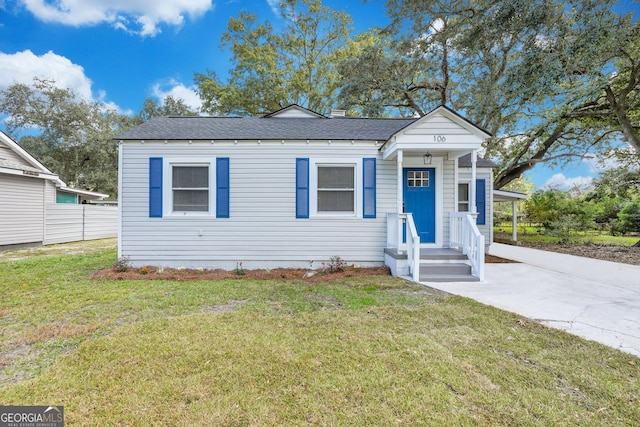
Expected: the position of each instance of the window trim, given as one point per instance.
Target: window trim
(468, 201)
(356, 164)
(167, 192)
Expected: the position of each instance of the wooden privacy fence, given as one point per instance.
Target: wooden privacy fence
(72, 223)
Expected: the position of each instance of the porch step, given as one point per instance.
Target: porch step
(442, 255)
(439, 264)
(444, 265)
(446, 272)
(445, 268)
(448, 278)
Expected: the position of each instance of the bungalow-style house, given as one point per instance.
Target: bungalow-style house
(29, 196)
(295, 188)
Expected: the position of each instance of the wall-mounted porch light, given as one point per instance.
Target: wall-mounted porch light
(427, 158)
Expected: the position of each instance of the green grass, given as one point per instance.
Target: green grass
(536, 234)
(364, 351)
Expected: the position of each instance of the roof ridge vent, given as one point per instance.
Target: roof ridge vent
(338, 113)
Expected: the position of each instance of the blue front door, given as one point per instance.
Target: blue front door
(420, 200)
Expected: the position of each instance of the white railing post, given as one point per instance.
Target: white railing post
(480, 258)
(392, 230)
(464, 235)
(413, 247)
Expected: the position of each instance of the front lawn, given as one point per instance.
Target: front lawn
(370, 350)
(537, 234)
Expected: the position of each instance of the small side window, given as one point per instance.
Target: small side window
(463, 197)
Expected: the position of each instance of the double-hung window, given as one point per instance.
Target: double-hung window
(326, 188)
(463, 197)
(190, 188)
(336, 191)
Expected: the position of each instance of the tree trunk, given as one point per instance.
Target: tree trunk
(619, 109)
(516, 170)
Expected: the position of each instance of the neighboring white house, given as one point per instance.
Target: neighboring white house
(36, 205)
(294, 188)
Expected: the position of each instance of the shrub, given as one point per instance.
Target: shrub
(239, 269)
(121, 265)
(630, 217)
(336, 264)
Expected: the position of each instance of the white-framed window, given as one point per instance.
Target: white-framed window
(463, 197)
(189, 188)
(336, 187)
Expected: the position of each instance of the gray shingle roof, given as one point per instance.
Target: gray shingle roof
(254, 128)
(465, 162)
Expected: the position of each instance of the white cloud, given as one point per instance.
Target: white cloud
(178, 90)
(137, 16)
(561, 182)
(275, 6)
(22, 67)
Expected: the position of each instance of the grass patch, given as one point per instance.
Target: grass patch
(533, 234)
(362, 351)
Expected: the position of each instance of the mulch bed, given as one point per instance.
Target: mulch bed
(623, 254)
(152, 273)
(311, 276)
(492, 259)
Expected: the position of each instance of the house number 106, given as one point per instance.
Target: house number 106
(439, 138)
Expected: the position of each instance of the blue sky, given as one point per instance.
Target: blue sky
(121, 52)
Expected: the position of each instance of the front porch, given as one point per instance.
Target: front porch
(462, 261)
(436, 265)
(442, 195)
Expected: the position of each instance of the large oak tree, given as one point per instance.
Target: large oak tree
(73, 137)
(550, 80)
(273, 68)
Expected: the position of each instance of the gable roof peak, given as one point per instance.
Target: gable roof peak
(296, 111)
(455, 115)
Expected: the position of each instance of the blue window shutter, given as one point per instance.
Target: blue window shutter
(369, 188)
(222, 187)
(302, 188)
(481, 205)
(155, 187)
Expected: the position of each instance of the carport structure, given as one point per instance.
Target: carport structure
(514, 198)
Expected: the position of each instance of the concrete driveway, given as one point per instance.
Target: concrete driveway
(597, 300)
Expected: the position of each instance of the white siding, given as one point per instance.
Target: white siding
(50, 192)
(7, 153)
(262, 230)
(440, 131)
(449, 196)
(437, 132)
(437, 125)
(71, 223)
(487, 175)
(21, 209)
(100, 222)
(64, 223)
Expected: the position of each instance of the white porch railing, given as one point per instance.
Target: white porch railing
(413, 247)
(395, 222)
(394, 231)
(464, 235)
